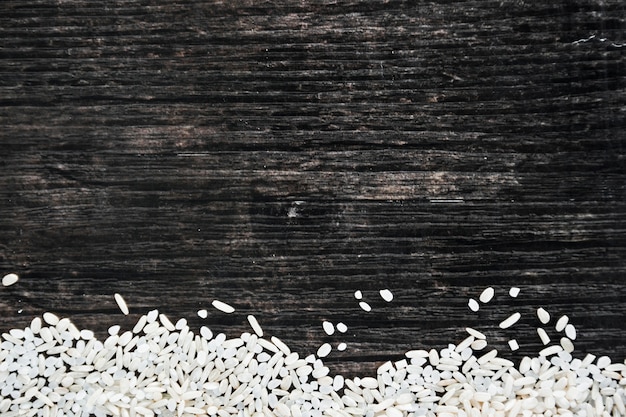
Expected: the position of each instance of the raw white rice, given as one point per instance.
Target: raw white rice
(324, 350)
(514, 292)
(256, 327)
(386, 294)
(365, 306)
(543, 315)
(570, 331)
(9, 279)
(328, 327)
(567, 345)
(473, 305)
(341, 346)
(487, 295)
(550, 350)
(203, 314)
(561, 323)
(50, 318)
(121, 304)
(475, 333)
(545, 339)
(479, 344)
(222, 306)
(342, 327)
(252, 376)
(513, 344)
(511, 320)
(358, 294)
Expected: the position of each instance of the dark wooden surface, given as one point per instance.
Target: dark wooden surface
(279, 155)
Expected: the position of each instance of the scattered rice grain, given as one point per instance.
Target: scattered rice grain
(256, 327)
(561, 323)
(511, 320)
(513, 344)
(222, 306)
(121, 304)
(386, 294)
(9, 279)
(328, 327)
(487, 295)
(324, 350)
(543, 315)
(545, 339)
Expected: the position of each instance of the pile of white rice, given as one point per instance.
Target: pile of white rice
(52, 368)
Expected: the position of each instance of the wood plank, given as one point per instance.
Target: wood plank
(280, 155)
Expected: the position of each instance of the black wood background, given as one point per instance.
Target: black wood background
(279, 155)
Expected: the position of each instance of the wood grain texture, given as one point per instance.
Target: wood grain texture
(279, 155)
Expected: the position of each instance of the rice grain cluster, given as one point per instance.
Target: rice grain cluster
(159, 368)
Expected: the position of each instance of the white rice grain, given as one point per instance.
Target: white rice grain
(364, 306)
(514, 292)
(473, 305)
(543, 315)
(513, 344)
(203, 314)
(328, 327)
(545, 339)
(550, 350)
(386, 294)
(511, 320)
(222, 306)
(487, 295)
(475, 333)
(561, 323)
(51, 318)
(9, 279)
(121, 304)
(342, 327)
(324, 350)
(567, 345)
(256, 327)
(479, 344)
(280, 345)
(570, 331)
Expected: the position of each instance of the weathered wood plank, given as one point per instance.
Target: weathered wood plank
(280, 155)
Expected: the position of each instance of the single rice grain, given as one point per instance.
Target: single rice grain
(511, 320)
(256, 327)
(473, 305)
(222, 306)
(545, 339)
(561, 323)
(487, 295)
(386, 294)
(324, 350)
(121, 304)
(543, 315)
(9, 279)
